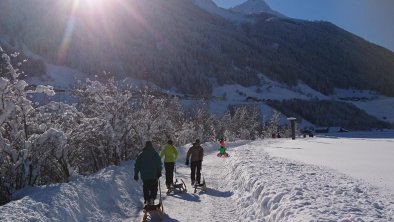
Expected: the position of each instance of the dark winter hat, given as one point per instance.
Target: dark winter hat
(197, 142)
(148, 144)
(170, 142)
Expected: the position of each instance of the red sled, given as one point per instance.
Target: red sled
(223, 155)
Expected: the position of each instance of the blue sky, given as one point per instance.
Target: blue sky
(371, 19)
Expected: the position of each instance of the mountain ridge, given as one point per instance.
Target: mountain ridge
(253, 7)
(178, 45)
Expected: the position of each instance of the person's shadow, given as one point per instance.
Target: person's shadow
(217, 193)
(185, 196)
(155, 217)
(166, 217)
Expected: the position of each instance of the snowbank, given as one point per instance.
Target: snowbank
(110, 195)
(267, 188)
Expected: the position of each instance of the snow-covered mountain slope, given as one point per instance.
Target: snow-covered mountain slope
(253, 7)
(251, 185)
(61, 77)
(175, 43)
(381, 107)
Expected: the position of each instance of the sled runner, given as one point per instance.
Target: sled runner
(222, 150)
(200, 186)
(177, 186)
(157, 208)
(223, 155)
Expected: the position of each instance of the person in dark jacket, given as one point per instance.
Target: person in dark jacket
(195, 154)
(149, 165)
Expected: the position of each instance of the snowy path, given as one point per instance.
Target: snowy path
(251, 185)
(211, 205)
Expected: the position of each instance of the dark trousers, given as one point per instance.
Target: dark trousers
(195, 165)
(169, 172)
(150, 188)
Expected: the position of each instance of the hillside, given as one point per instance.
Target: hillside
(176, 44)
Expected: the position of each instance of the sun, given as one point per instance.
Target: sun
(91, 3)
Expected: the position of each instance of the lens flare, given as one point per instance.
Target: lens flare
(61, 55)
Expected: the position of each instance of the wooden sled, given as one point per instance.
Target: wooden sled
(202, 186)
(158, 208)
(149, 209)
(178, 186)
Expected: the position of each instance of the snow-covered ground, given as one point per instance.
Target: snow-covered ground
(365, 155)
(251, 185)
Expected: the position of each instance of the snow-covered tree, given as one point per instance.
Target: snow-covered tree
(200, 123)
(102, 135)
(272, 127)
(16, 127)
(156, 118)
(242, 122)
(14, 114)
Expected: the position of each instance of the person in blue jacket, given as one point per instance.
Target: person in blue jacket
(149, 165)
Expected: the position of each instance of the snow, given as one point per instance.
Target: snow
(313, 179)
(371, 102)
(348, 93)
(61, 77)
(365, 155)
(382, 108)
(269, 89)
(229, 94)
(48, 90)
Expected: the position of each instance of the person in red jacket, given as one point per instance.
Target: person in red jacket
(222, 149)
(221, 142)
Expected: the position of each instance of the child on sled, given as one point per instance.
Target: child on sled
(222, 149)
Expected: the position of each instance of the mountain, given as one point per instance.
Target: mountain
(211, 7)
(253, 7)
(179, 44)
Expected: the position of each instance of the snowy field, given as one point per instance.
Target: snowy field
(312, 179)
(364, 155)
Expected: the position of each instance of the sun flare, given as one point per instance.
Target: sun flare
(91, 3)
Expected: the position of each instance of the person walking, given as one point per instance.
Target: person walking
(149, 165)
(195, 154)
(170, 155)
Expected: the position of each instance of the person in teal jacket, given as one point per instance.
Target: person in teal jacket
(149, 165)
(170, 155)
